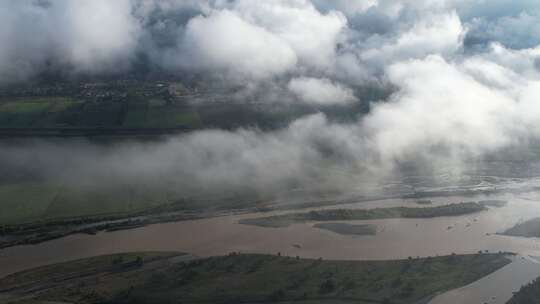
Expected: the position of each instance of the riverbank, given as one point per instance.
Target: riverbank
(42, 231)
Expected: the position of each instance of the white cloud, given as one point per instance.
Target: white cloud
(86, 36)
(449, 100)
(320, 91)
(348, 7)
(106, 37)
(434, 34)
(470, 108)
(312, 35)
(223, 41)
(523, 61)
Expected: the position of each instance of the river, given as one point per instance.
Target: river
(395, 239)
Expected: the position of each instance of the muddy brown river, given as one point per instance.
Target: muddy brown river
(395, 239)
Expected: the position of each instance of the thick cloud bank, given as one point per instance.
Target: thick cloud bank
(82, 36)
(465, 84)
(253, 41)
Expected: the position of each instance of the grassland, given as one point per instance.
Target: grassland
(34, 212)
(175, 278)
(286, 220)
(42, 201)
(39, 202)
(22, 202)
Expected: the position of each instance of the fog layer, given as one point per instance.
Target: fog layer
(465, 85)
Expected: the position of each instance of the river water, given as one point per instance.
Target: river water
(395, 239)
(496, 288)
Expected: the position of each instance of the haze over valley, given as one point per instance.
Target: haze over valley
(365, 151)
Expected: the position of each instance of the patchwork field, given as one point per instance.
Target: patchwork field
(56, 112)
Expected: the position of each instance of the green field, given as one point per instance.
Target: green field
(175, 278)
(55, 112)
(24, 202)
(29, 202)
(34, 112)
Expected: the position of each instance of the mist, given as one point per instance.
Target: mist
(465, 88)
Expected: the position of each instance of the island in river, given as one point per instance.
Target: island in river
(530, 228)
(286, 220)
(157, 277)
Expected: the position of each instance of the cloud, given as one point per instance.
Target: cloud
(251, 39)
(320, 91)
(99, 40)
(88, 36)
(465, 83)
(520, 31)
(311, 34)
(434, 34)
(225, 42)
(310, 154)
(440, 105)
(262, 39)
(445, 114)
(332, 39)
(350, 8)
(522, 61)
